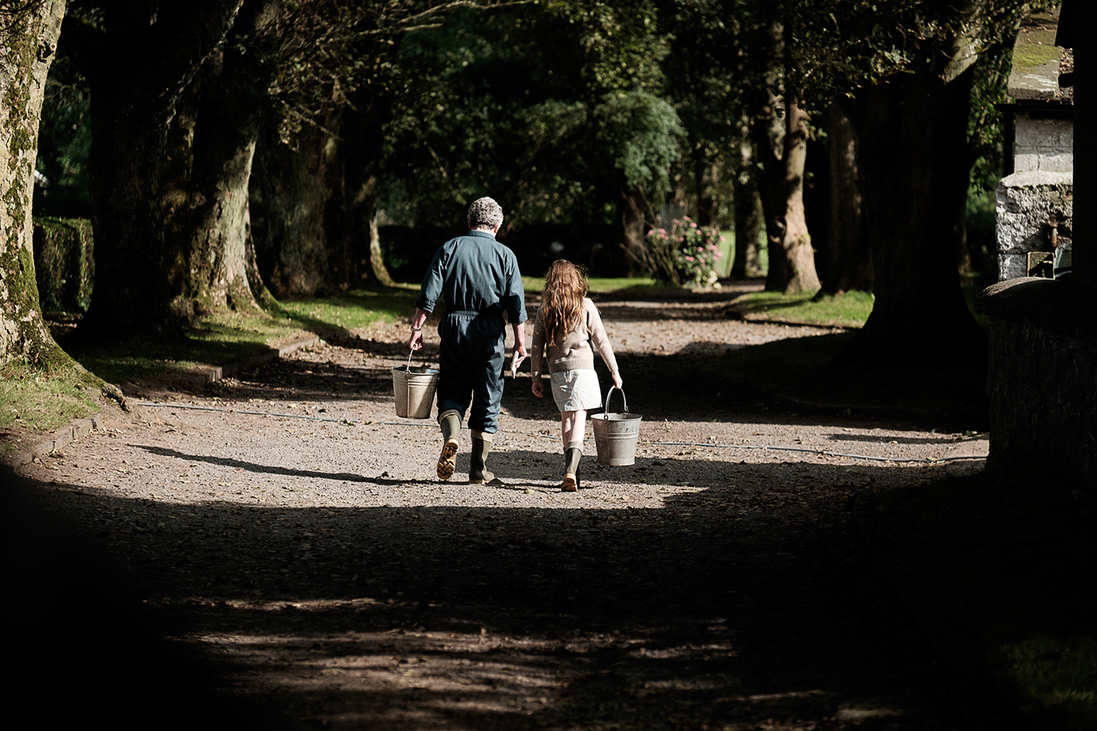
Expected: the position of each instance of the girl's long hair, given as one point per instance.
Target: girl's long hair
(562, 300)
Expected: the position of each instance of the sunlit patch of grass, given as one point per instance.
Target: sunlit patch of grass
(33, 403)
(225, 337)
(356, 308)
(600, 285)
(848, 310)
(606, 285)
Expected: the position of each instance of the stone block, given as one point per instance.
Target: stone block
(1040, 264)
(1025, 204)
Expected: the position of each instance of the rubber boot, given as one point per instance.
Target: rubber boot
(572, 457)
(478, 460)
(450, 422)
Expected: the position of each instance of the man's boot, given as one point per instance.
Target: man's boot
(450, 421)
(478, 459)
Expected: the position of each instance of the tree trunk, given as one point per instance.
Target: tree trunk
(28, 42)
(217, 276)
(799, 256)
(219, 147)
(376, 256)
(849, 261)
(630, 236)
(781, 142)
(362, 152)
(912, 135)
(209, 163)
(748, 217)
(139, 131)
(706, 175)
(293, 252)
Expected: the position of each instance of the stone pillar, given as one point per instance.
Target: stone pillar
(1042, 385)
(1085, 152)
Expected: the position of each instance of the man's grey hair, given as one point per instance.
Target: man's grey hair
(485, 212)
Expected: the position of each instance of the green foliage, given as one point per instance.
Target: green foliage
(617, 40)
(986, 122)
(687, 254)
(64, 145)
(546, 107)
(981, 223)
(462, 127)
(641, 133)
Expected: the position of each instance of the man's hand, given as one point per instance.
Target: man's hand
(538, 387)
(415, 342)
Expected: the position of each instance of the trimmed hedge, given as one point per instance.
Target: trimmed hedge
(64, 264)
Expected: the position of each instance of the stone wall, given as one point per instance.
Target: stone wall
(1025, 203)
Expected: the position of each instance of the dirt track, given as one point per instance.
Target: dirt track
(287, 525)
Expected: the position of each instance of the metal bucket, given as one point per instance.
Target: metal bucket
(413, 389)
(615, 434)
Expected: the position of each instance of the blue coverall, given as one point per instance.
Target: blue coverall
(479, 279)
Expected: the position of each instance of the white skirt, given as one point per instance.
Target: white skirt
(576, 390)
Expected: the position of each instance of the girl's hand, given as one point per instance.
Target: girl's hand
(538, 387)
(617, 380)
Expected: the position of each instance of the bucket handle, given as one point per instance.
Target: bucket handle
(407, 366)
(624, 401)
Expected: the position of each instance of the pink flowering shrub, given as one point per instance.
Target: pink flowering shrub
(687, 254)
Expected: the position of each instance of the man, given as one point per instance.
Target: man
(479, 279)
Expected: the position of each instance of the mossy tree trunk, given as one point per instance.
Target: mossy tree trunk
(294, 186)
(28, 42)
(220, 136)
(139, 69)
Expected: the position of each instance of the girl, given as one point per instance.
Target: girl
(567, 324)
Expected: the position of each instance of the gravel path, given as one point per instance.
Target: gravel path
(287, 526)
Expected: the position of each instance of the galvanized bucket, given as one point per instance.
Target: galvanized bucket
(413, 389)
(616, 434)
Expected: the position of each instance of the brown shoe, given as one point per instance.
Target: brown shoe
(570, 484)
(447, 461)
